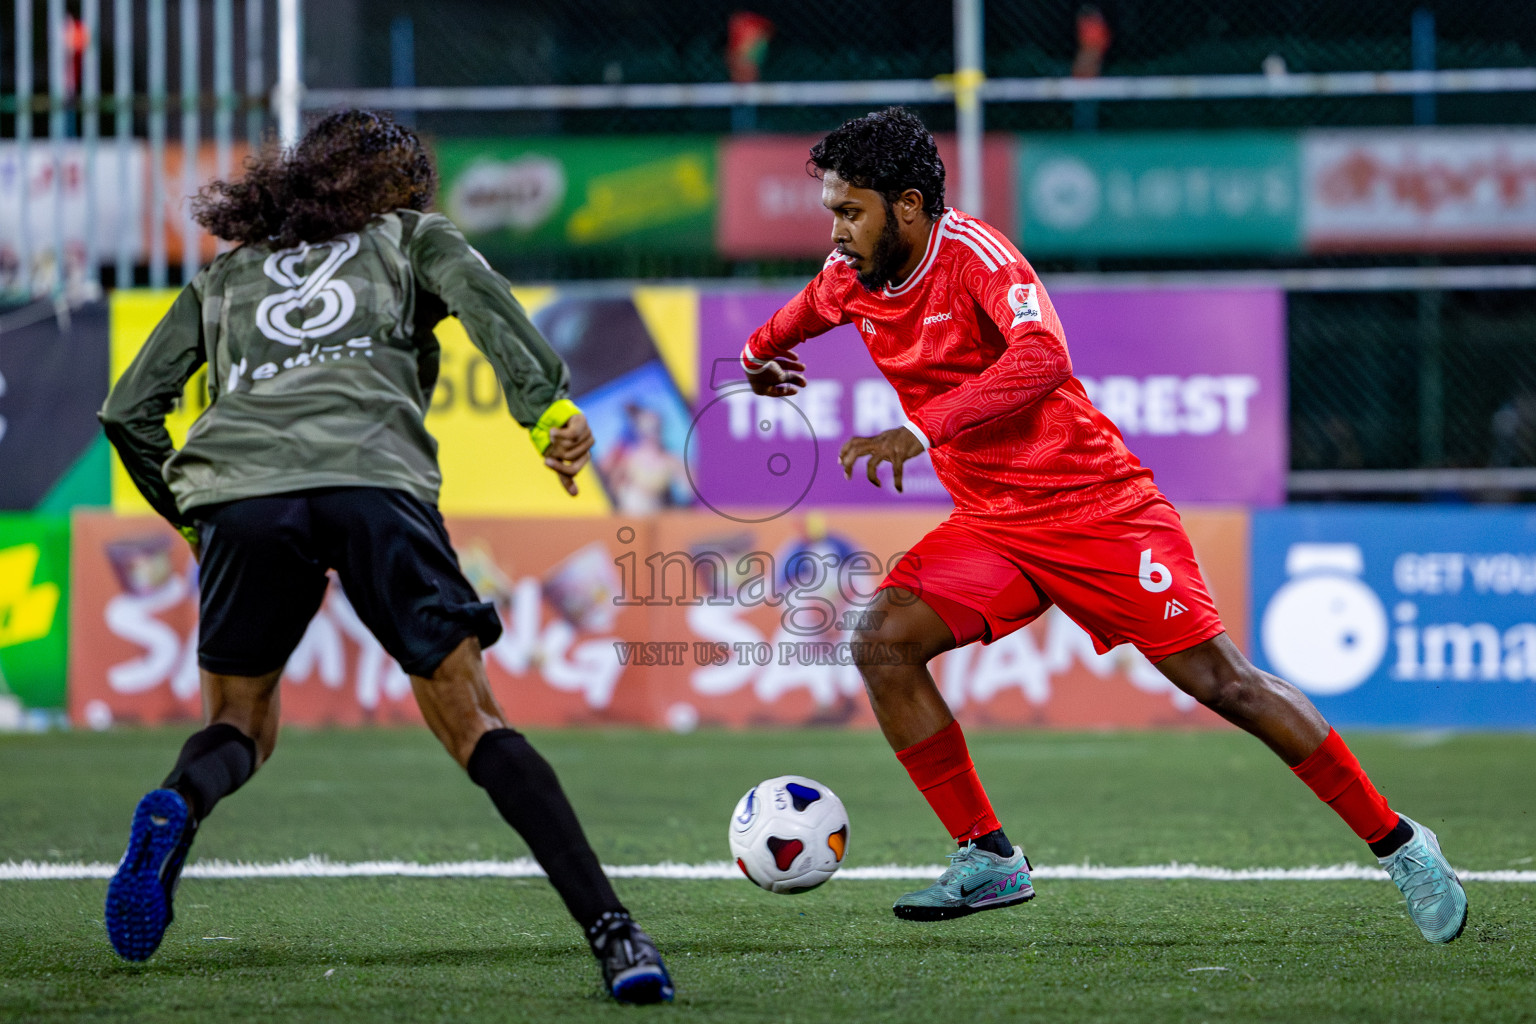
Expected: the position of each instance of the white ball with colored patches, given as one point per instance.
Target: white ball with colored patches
(789, 834)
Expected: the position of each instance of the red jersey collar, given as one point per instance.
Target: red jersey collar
(922, 267)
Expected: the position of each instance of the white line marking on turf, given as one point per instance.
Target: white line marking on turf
(524, 867)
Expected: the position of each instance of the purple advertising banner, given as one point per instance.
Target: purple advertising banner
(1194, 379)
(773, 454)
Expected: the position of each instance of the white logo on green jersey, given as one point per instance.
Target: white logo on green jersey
(338, 303)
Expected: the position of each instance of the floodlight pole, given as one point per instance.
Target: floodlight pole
(289, 92)
(969, 77)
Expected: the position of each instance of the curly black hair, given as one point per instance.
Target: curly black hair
(889, 151)
(348, 168)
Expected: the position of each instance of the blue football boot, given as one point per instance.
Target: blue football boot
(139, 895)
(632, 968)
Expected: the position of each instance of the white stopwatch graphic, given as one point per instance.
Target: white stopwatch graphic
(1325, 630)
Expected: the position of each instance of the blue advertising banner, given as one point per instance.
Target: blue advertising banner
(1417, 617)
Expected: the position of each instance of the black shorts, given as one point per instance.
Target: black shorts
(263, 577)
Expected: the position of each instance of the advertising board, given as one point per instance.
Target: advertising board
(770, 206)
(1156, 192)
(34, 609)
(1423, 190)
(580, 193)
(489, 467)
(1401, 617)
(53, 378)
(679, 620)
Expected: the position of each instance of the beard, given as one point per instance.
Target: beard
(889, 255)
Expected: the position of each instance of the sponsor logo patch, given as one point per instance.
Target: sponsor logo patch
(1025, 307)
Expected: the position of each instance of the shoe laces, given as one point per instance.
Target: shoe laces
(1417, 873)
(620, 943)
(610, 925)
(962, 864)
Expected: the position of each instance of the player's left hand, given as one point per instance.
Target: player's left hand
(778, 378)
(569, 450)
(895, 446)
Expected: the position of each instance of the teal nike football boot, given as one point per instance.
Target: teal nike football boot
(976, 880)
(1436, 901)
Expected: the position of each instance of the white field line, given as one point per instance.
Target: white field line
(319, 867)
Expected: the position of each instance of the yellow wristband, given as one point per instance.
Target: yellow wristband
(557, 415)
(189, 533)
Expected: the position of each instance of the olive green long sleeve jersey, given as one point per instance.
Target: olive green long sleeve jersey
(321, 363)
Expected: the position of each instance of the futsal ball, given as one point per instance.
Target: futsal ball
(789, 834)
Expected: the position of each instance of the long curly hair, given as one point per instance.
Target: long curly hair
(889, 151)
(348, 168)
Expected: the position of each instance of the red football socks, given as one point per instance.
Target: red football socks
(1336, 777)
(941, 767)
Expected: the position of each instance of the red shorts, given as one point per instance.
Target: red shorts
(1130, 577)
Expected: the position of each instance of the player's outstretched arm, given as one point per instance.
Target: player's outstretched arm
(895, 446)
(533, 377)
(772, 367)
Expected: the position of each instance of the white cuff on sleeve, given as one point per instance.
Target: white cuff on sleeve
(917, 432)
(750, 362)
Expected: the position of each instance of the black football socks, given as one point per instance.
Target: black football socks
(994, 842)
(1393, 841)
(213, 764)
(525, 790)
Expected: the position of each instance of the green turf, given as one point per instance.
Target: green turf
(502, 950)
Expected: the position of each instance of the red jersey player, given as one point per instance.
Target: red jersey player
(1050, 508)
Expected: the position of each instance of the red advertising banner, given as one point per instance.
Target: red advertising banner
(1424, 190)
(770, 206)
(678, 621)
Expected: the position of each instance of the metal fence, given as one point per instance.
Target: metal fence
(1282, 53)
(112, 112)
(1412, 381)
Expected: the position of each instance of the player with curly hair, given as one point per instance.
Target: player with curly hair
(313, 454)
(1050, 508)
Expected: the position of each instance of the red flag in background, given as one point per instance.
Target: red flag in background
(746, 42)
(75, 39)
(1093, 37)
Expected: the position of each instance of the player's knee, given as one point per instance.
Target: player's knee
(1237, 691)
(887, 651)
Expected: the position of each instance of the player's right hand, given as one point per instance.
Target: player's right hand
(569, 451)
(778, 378)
